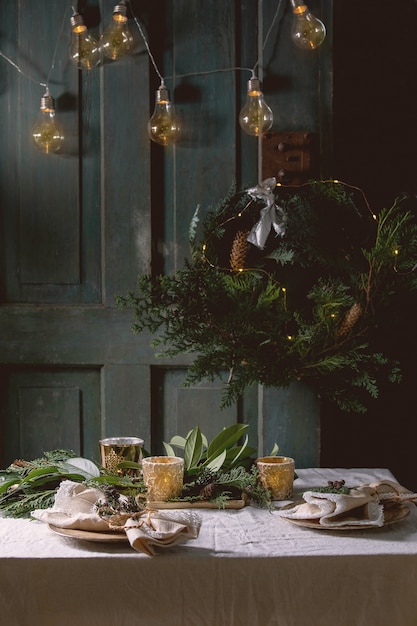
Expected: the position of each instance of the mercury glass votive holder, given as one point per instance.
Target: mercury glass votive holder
(163, 477)
(115, 450)
(276, 474)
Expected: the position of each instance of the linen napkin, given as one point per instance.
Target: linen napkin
(361, 506)
(75, 508)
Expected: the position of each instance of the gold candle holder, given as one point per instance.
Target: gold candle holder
(276, 474)
(163, 477)
(115, 450)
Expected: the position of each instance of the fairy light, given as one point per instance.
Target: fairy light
(238, 215)
(46, 133)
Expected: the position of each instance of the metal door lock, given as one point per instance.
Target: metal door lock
(288, 156)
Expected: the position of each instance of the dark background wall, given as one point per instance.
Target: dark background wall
(375, 138)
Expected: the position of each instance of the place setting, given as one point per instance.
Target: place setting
(157, 501)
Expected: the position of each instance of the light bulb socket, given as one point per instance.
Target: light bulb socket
(254, 84)
(47, 103)
(120, 9)
(162, 94)
(120, 12)
(298, 6)
(77, 23)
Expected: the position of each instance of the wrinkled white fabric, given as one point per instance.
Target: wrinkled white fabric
(74, 507)
(247, 566)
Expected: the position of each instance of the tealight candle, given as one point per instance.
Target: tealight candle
(276, 474)
(115, 450)
(163, 477)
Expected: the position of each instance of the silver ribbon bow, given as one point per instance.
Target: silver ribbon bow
(268, 215)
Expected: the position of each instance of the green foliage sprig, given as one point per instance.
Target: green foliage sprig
(307, 307)
(27, 485)
(222, 453)
(225, 464)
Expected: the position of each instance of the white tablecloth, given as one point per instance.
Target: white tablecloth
(248, 567)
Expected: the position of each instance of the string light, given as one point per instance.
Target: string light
(84, 50)
(256, 117)
(46, 133)
(117, 40)
(307, 31)
(163, 127)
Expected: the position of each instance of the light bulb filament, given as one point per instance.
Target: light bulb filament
(163, 127)
(84, 50)
(117, 40)
(256, 117)
(307, 31)
(46, 133)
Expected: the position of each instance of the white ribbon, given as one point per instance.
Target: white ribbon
(268, 215)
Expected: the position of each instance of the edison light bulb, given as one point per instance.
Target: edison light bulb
(307, 31)
(117, 40)
(84, 49)
(255, 117)
(163, 127)
(47, 134)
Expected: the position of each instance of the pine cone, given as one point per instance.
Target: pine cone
(350, 319)
(239, 250)
(208, 491)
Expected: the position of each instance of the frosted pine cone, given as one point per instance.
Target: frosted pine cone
(350, 319)
(239, 250)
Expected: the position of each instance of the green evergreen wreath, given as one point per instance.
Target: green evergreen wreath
(306, 305)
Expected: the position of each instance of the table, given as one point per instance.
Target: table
(248, 567)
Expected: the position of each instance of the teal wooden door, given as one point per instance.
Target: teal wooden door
(78, 226)
(75, 231)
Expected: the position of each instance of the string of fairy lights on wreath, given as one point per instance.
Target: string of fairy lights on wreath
(116, 41)
(253, 198)
(258, 193)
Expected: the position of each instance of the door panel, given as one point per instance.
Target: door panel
(50, 409)
(178, 409)
(78, 227)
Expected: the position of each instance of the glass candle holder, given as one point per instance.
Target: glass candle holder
(163, 477)
(115, 450)
(276, 474)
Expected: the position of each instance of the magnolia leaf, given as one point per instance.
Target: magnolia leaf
(40, 471)
(169, 450)
(203, 437)
(5, 486)
(274, 450)
(112, 479)
(238, 453)
(193, 449)
(128, 465)
(216, 463)
(226, 439)
(84, 466)
(178, 441)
